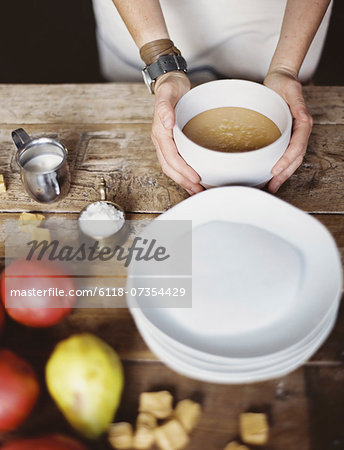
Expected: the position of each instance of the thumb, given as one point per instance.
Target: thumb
(298, 106)
(164, 106)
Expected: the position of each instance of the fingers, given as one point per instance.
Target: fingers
(296, 150)
(179, 178)
(277, 181)
(297, 147)
(297, 105)
(163, 137)
(292, 157)
(172, 164)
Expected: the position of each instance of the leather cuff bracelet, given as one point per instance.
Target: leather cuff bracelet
(151, 51)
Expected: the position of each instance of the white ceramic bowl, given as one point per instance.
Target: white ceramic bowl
(216, 168)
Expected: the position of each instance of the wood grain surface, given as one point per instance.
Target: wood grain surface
(120, 102)
(107, 131)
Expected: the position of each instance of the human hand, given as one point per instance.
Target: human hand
(287, 85)
(169, 88)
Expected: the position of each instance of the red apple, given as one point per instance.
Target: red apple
(2, 318)
(38, 282)
(19, 390)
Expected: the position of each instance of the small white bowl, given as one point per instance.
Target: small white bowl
(216, 168)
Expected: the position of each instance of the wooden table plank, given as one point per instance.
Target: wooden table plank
(333, 222)
(325, 103)
(325, 392)
(125, 155)
(75, 103)
(331, 353)
(14, 216)
(120, 102)
(122, 153)
(116, 326)
(317, 185)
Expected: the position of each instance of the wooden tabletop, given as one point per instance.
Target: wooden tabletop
(106, 129)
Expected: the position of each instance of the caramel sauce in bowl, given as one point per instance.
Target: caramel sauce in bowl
(239, 165)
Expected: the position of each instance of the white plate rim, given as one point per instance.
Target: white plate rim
(235, 191)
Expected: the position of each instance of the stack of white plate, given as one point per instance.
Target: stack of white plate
(266, 287)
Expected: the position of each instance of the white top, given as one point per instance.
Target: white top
(235, 37)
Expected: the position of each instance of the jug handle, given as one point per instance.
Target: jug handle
(20, 137)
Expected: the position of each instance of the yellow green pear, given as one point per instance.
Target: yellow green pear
(84, 376)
